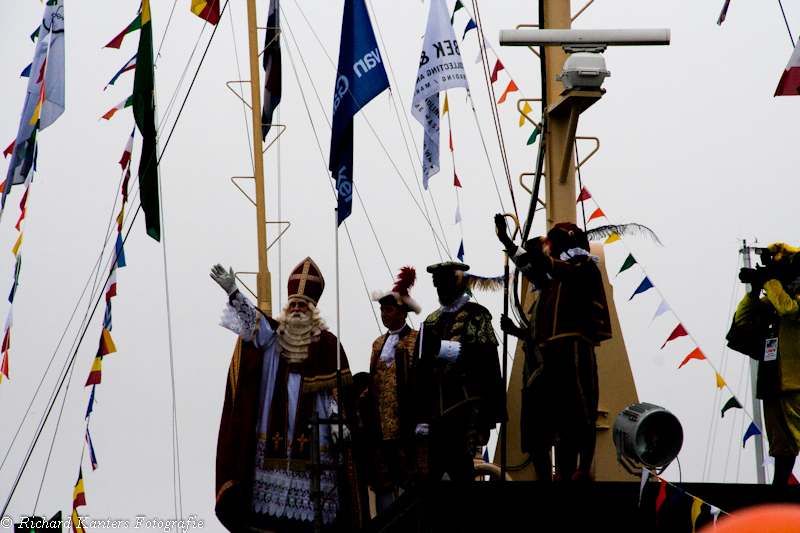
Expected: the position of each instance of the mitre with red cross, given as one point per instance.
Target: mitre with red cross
(306, 281)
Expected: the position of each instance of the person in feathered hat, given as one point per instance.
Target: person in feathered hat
(570, 318)
(385, 408)
(458, 378)
(777, 349)
(282, 371)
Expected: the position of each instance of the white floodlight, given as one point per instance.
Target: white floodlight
(648, 435)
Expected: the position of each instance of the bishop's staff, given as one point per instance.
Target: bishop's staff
(505, 352)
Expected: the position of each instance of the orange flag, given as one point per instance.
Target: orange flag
(511, 88)
(696, 354)
(597, 213)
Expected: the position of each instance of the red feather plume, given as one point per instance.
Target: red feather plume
(405, 280)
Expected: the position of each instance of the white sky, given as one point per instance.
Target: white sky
(693, 145)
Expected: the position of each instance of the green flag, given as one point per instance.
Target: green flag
(532, 138)
(629, 262)
(733, 403)
(459, 5)
(145, 114)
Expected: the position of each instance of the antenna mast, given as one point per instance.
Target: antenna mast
(263, 280)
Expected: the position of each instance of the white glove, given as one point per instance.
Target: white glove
(422, 429)
(226, 279)
(449, 351)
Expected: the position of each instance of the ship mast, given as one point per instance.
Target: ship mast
(263, 280)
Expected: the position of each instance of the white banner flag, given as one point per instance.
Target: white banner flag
(440, 67)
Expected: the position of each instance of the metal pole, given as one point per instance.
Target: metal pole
(264, 289)
(761, 474)
(504, 424)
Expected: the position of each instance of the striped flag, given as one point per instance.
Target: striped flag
(91, 448)
(128, 102)
(130, 65)
(96, 374)
(126, 155)
(790, 79)
(116, 42)
(207, 10)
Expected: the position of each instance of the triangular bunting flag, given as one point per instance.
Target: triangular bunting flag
(7, 152)
(629, 262)
(456, 183)
(662, 495)
(584, 195)
(720, 382)
(116, 42)
(106, 344)
(697, 506)
(645, 477)
(752, 429)
(128, 102)
(91, 449)
(597, 214)
(130, 65)
(532, 138)
(497, 68)
(612, 238)
(643, 286)
(126, 155)
(696, 354)
(445, 109)
(27, 72)
(460, 253)
(723, 13)
(91, 403)
(458, 214)
(663, 307)
(733, 403)
(458, 6)
(470, 26)
(677, 332)
(510, 89)
(525, 110)
(95, 375)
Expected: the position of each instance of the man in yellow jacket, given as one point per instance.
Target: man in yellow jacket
(778, 382)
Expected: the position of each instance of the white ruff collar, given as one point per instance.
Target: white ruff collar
(456, 305)
(572, 252)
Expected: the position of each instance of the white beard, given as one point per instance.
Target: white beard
(295, 332)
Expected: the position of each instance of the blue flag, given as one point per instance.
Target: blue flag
(751, 430)
(361, 78)
(643, 286)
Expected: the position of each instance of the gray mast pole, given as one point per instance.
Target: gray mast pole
(761, 470)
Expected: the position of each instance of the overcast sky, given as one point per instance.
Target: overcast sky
(693, 145)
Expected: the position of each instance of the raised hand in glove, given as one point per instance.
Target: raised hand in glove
(226, 279)
(502, 233)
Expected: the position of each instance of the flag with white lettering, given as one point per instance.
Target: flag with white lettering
(44, 100)
(361, 77)
(440, 68)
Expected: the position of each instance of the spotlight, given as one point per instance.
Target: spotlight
(647, 435)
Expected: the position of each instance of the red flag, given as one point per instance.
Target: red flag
(584, 195)
(126, 155)
(597, 213)
(451, 141)
(456, 182)
(511, 88)
(4, 366)
(662, 495)
(790, 79)
(497, 68)
(116, 42)
(7, 152)
(696, 354)
(677, 332)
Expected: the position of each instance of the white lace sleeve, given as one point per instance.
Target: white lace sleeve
(240, 316)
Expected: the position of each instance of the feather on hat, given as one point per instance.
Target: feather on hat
(400, 292)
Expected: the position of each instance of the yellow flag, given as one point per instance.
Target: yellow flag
(16, 246)
(720, 382)
(525, 110)
(611, 238)
(446, 107)
(697, 505)
(108, 342)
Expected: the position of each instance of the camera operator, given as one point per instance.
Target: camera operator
(772, 324)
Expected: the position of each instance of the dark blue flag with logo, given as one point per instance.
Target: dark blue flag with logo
(361, 78)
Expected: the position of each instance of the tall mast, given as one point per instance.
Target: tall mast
(263, 280)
